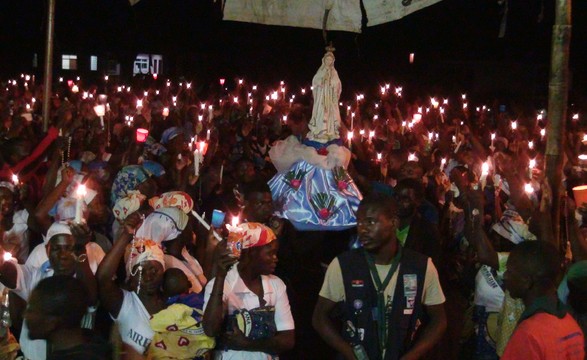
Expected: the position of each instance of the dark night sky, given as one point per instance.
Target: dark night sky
(447, 38)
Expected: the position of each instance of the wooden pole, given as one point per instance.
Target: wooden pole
(558, 90)
(48, 76)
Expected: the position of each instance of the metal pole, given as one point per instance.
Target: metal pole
(558, 93)
(48, 77)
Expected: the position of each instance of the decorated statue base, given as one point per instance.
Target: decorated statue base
(312, 188)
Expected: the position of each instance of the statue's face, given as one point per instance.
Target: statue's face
(328, 60)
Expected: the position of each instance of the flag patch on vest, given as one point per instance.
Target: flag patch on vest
(357, 283)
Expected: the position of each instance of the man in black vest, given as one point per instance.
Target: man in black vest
(386, 293)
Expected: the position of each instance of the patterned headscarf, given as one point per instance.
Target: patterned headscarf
(178, 199)
(128, 204)
(512, 227)
(139, 251)
(127, 179)
(163, 225)
(251, 235)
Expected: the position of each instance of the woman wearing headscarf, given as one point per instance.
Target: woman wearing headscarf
(169, 224)
(254, 301)
(132, 306)
(132, 177)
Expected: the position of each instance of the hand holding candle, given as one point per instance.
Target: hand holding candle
(80, 192)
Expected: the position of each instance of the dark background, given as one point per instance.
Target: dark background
(455, 44)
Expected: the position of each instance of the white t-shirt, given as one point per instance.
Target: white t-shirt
(238, 296)
(333, 286)
(191, 268)
(488, 292)
(133, 323)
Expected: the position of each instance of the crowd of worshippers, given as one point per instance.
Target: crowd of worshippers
(454, 255)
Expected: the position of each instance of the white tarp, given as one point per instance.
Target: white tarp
(384, 11)
(344, 15)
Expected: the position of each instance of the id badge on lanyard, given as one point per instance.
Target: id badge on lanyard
(410, 292)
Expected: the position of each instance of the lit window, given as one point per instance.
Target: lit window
(69, 62)
(93, 63)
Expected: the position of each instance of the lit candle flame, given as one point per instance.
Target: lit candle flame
(485, 168)
(528, 188)
(235, 221)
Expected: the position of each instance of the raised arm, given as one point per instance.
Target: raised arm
(486, 254)
(111, 295)
(214, 313)
(43, 220)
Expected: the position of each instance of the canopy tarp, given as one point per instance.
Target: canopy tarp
(344, 15)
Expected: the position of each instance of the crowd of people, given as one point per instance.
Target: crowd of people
(140, 225)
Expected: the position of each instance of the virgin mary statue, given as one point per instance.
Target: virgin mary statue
(325, 113)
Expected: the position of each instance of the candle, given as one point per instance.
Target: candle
(542, 133)
(200, 117)
(15, 180)
(139, 103)
(210, 112)
(411, 58)
(412, 157)
(371, 135)
(362, 133)
(205, 224)
(142, 135)
(221, 173)
(235, 99)
(203, 148)
(7, 256)
(197, 162)
(514, 125)
(208, 135)
(81, 193)
(235, 221)
(531, 166)
(74, 89)
(484, 173)
(165, 112)
(576, 117)
(352, 121)
(379, 156)
(530, 145)
(528, 188)
(222, 81)
(349, 136)
(442, 164)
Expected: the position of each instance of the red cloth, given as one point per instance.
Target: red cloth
(6, 171)
(546, 337)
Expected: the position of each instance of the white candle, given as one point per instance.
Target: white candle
(514, 125)
(442, 164)
(379, 156)
(371, 135)
(197, 162)
(165, 112)
(484, 173)
(81, 193)
(235, 221)
(15, 180)
(531, 166)
(349, 136)
(205, 224)
(208, 135)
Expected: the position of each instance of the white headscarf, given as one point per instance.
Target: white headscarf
(163, 225)
(57, 228)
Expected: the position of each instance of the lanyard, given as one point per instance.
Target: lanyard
(380, 288)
